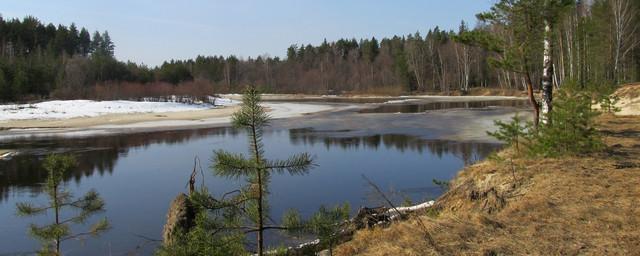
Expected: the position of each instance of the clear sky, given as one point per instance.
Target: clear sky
(153, 31)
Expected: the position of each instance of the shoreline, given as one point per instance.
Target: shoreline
(279, 106)
(146, 122)
(559, 195)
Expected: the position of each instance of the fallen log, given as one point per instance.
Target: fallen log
(7, 155)
(365, 218)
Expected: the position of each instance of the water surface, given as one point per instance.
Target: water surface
(139, 174)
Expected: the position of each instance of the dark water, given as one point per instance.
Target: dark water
(428, 106)
(139, 174)
(337, 100)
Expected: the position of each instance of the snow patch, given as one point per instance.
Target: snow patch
(286, 110)
(399, 101)
(64, 109)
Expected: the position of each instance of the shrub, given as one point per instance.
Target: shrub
(511, 133)
(570, 129)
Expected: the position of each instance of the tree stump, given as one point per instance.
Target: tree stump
(180, 219)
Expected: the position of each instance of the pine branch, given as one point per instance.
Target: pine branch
(49, 232)
(90, 202)
(231, 165)
(100, 226)
(28, 209)
(254, 229)
(296, 165)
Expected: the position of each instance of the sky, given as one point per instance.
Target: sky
(152, 31)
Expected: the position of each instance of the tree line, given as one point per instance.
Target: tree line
(594, 42)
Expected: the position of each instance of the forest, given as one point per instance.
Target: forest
(594, 43)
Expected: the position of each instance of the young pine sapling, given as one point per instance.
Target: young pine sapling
(59, 198)
(256, 168)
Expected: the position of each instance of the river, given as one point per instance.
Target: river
(401, 147)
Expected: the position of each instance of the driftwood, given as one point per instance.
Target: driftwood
(181, 215)
(365, 218)
(7, 155)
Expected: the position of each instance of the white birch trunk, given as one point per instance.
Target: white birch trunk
(547, 72)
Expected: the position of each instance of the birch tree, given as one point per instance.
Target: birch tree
(463, 54)
(416, 56)
(550, 12)
(624, 28)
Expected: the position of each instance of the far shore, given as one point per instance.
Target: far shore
(112, 120)
(117, 119)
(296, 97)
(281, 106)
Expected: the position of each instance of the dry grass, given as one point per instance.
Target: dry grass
(570, 206)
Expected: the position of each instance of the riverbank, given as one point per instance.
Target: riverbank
(574, 205)
(279, 106)
(372, 98)
(117, 119)
(145, 122)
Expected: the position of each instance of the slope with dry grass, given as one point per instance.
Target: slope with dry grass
(576, 205)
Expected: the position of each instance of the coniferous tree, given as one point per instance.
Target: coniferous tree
(107, 45)
(72, 40)
(84, 42)
(256, 168)
(53, 234)
(96, 43)
(5, 87)
(326, 223)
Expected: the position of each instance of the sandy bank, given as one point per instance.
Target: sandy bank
(142, 122)
(629, 103)
(117, 119)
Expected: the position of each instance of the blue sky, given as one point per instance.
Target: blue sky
(152, 31)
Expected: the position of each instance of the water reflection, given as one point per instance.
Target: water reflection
(95, 155)
(468, 152)
(422, 107)
(139, 174)
(98, 155)
(363, 100)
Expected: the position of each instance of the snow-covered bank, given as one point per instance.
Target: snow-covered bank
(65, 109)
(286, 110)
(275, 110)
(142, 122)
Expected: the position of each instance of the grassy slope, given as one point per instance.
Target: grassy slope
(577, 205)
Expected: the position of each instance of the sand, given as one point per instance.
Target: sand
(629, 102)
(118, 119)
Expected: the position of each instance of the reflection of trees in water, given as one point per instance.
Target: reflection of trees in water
(24, 172)
(468, 152)
(422, 107)
(95, 154)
